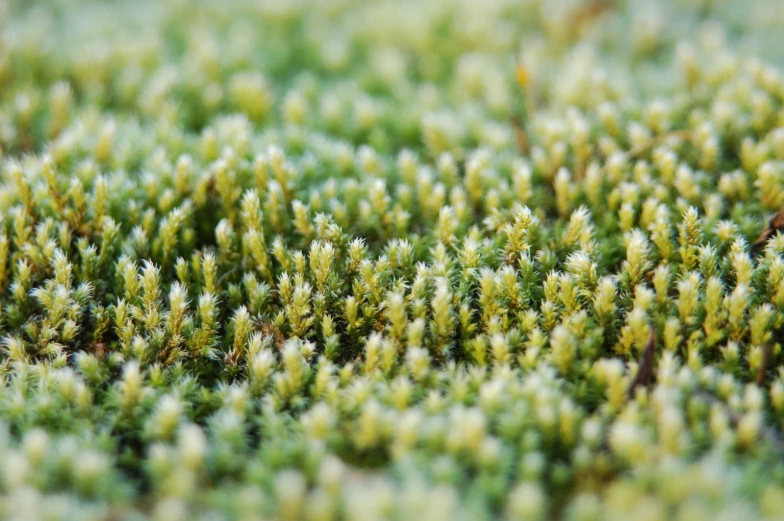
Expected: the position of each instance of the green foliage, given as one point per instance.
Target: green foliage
(391, 260)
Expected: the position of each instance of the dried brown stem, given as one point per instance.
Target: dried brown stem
(646, 364)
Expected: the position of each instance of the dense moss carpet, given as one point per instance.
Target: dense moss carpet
(392, 260)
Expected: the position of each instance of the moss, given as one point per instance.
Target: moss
(391, 260)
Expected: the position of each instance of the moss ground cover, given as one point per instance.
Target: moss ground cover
(392, 260)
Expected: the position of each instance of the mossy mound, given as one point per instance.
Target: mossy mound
(392, 260)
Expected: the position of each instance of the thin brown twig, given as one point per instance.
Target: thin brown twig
(775, 224)
(589, 12)
(652, 142)
(645, 365)
(520, 135)
(223, 277)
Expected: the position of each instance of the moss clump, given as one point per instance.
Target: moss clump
(391, 260)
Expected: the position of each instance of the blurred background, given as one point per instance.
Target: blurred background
(365, 71)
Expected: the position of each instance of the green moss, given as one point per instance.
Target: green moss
(391, 260)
